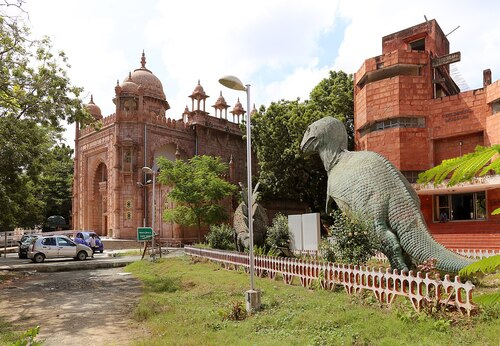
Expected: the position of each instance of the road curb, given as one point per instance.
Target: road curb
(50, 267)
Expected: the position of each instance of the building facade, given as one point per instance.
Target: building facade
(111, 193)
(409, 109)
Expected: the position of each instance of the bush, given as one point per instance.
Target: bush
(221, 237)
(353, 240)
(328, 250)
(278, 234)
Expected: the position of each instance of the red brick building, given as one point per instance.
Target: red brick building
(111, 194)
(409, 109)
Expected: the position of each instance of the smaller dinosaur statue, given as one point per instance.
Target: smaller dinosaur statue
(242, 236)
(367, 184)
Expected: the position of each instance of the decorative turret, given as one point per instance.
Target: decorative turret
(231, 169)
(185, 114)
(198, 95)
(254, 111)
(238, 110)
(93, 109)
(220, 105)
(129, 86)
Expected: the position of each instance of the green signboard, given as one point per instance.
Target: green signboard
(144, 233)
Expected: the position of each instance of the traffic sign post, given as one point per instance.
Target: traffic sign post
(144, 233)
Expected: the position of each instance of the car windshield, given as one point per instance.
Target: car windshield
(27, 239)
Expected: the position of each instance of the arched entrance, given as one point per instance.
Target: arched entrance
(98, 219)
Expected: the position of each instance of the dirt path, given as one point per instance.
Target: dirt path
(88, 307)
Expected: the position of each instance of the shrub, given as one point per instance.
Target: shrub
(353, 240)
(221, 237)
(328, 250)
(278, 234)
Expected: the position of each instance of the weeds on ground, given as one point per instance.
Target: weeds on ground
(29, 338)
(235, 312)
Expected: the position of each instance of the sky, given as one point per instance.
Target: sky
(282, 48)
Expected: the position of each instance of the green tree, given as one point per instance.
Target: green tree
(197, 188)
(36, 97)
(278, 130)
(334, 96)
(56, 182)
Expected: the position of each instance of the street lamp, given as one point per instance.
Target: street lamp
(252, 296)
(148, 170)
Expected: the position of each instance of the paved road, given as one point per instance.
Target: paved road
(86, 307)
(74, 302)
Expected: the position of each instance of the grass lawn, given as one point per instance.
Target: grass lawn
(191, 303)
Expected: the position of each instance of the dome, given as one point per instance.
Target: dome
(147, 80)
(220, 103)
(221, 100)
(199, 93)
(198, 89)
(238, 108)
(128, 86)
(94, 109)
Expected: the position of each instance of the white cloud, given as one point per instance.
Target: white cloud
(275, 45)
(478, 37)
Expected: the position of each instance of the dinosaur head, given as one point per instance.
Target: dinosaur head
(324, 134)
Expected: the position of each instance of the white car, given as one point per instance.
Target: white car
(56, 246)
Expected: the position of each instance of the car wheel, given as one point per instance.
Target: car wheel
(81, 256)
(39, 258)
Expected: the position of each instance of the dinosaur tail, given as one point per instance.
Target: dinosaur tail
(418, 243)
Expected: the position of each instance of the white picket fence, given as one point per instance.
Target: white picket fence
(386, 284)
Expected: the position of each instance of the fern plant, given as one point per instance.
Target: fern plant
(465, 168)
(484, 266)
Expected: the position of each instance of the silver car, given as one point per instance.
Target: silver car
(56, 246)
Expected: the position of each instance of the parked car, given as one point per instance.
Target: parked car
(56, 246)
(83, 238)
(24, 243)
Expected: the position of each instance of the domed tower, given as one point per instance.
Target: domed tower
(238, 110)
(141, 91)
(200, 96)
(94, 109)
(220, 105)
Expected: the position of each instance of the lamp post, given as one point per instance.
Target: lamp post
(150, 171)
(252, 296)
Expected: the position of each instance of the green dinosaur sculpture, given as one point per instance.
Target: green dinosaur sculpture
(365, 183)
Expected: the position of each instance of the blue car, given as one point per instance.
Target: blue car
(83, 238)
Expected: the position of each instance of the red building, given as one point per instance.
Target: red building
(111, 193)
(409, 109)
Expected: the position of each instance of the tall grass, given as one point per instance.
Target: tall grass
(192, 307)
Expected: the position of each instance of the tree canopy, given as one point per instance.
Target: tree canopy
(197, 188)
(278, 130)
(36, 98)
(56, 182)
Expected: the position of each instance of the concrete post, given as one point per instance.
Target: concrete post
(252, 299)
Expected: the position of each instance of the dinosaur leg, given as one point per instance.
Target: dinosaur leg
(391, 247)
